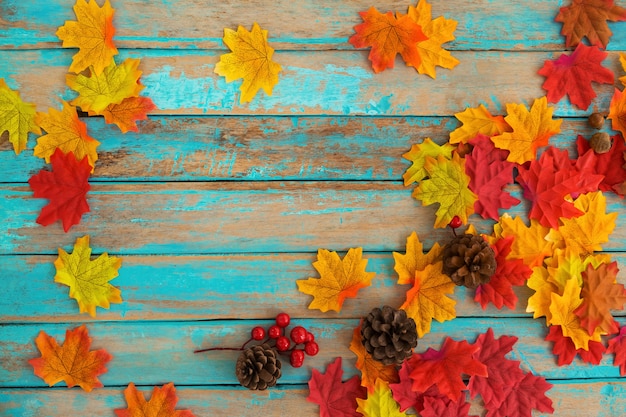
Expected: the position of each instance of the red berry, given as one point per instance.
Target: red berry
(274, 332)
(456, 222)
(258, 333)
(298, 334)
(311, 348)
(282, 344)
(296, 358)
(309, 337)
(283, 319)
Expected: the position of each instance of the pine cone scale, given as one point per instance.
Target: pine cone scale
(389, 335)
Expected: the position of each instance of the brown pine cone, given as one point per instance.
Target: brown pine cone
(388, 335)
(469, 260)
(258, 368)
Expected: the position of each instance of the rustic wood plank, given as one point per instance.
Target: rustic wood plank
(313, 83)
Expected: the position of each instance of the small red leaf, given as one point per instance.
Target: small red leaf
(335, 398)
(610, 164)
(566, 351)
(617, 346)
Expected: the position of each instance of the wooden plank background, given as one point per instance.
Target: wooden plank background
(216, 208)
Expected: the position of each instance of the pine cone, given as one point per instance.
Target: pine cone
(258, 368)
(469, 260)
(388, 335)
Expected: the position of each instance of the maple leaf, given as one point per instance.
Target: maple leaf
(16, 117)
(126, 114)
(478, 120)
(617, 346)
(573, 75)
(418, 155)
(338, 280)
(530, 244)
(162, 403)
(437, 407)
(539, 303)
(567, 264)
(88, 280)
(509, 272)
(92, 33)
(65, 131)
(437, 32)
(617, 112)
(448, 185)
(379, 403)
(402, 391)
(528, 394)
(111, 86)
(445, 367)
(566, 351)
(251, 60)
(414, 259)
(388, 36)
(65, 186)
(587, 18)
(371, 369)
(530, 130)
(335, 398)
(489, 173)
(71, 362)
(608, 164)
(622, 60)
(427, 299)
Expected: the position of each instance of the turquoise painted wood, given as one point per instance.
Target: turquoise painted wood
(217, 207)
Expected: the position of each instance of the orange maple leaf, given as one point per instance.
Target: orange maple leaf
(388, 36)
(477, 120)
(338, 280)
(418, 154)
(370, 368)
(414, 259)
(126, 114)
(71, 362)
(162, 403)
(530, 243)
(617, 112)
(587, 18)
(622, 60)
(92, 34)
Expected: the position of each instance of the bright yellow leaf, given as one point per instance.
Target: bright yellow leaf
(88, 280)
(379, 403)
(428, 299)
(539, 303)
(531, 130)
(64, 130)
(92, 33)
(16, 117)
(530, 243)
(338, 280)
(112, 86)
(448, 185)
(414, 259)
(622, 60)
(418, 154)
(250, 59)
(566, 264)
(478, 120)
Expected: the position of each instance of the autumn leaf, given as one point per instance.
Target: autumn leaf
(16, 117)
(539, 303)
(573, 75)
(566, 351)
(162, 403)
(65, 131)
(71, 362)
(251, 60)
(530, 130)
(609, 164)
(126, 114)
(65, 186)
(566, 264)
(88, 280)
(530, 244)
(622, 60)
(371, 369)
(414, 259)
(587, 18)
(418, 155)
(448, 185)
(379, 403)
(388, 36)
(92, 33)
(335, 398)
(97, 91)
(617, 112)
(402, 390)
(528, 395)
(478, 120)
(438, 407)
(428, 299)
(617, 346)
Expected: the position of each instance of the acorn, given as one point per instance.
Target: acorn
(600, 142)
(596, 120)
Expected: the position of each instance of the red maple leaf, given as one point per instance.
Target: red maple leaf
(546, 183)
(617, 346)
(334, 397)
(565, 349)
(443, 407)
(489, 172)
(444, 368)
(509, 272)
(403, 392)
(573, 75)
(65, 186)
(526, 395)
(609, 164)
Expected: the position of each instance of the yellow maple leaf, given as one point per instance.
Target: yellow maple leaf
(531, 130)
(448, 185)
(379, 403)
(418, 154)
(414, 259)
(92, 33)
(427, 300)
(530, 243)
(250, 59)
(438, 32)
(88, 280)
(371, 369)
(562, 310)
(566, 264)
(539, 303)
(338, 280)
(16, 117)
(477, 120)
(64, 130)
(111, 86)
(622, 60)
